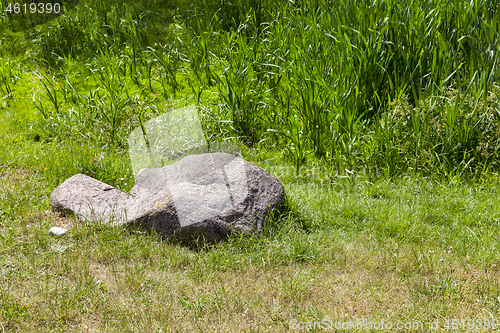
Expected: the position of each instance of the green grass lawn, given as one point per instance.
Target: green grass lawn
(380, 118)
(399, 250)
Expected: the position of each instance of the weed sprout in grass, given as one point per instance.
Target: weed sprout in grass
(167, 75)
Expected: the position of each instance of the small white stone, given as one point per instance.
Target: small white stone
(57, 231)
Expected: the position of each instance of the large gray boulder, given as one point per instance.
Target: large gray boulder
(206, 196)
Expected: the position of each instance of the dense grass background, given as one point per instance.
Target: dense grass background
(393, 86)
(380, 117)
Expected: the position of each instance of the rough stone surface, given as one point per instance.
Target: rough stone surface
(207, 195)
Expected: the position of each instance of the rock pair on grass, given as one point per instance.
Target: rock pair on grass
(206, 196)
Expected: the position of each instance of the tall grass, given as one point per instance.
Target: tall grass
(395, 85)
(6, 65)
(331, 70)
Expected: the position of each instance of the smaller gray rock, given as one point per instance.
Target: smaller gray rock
(57, 231)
